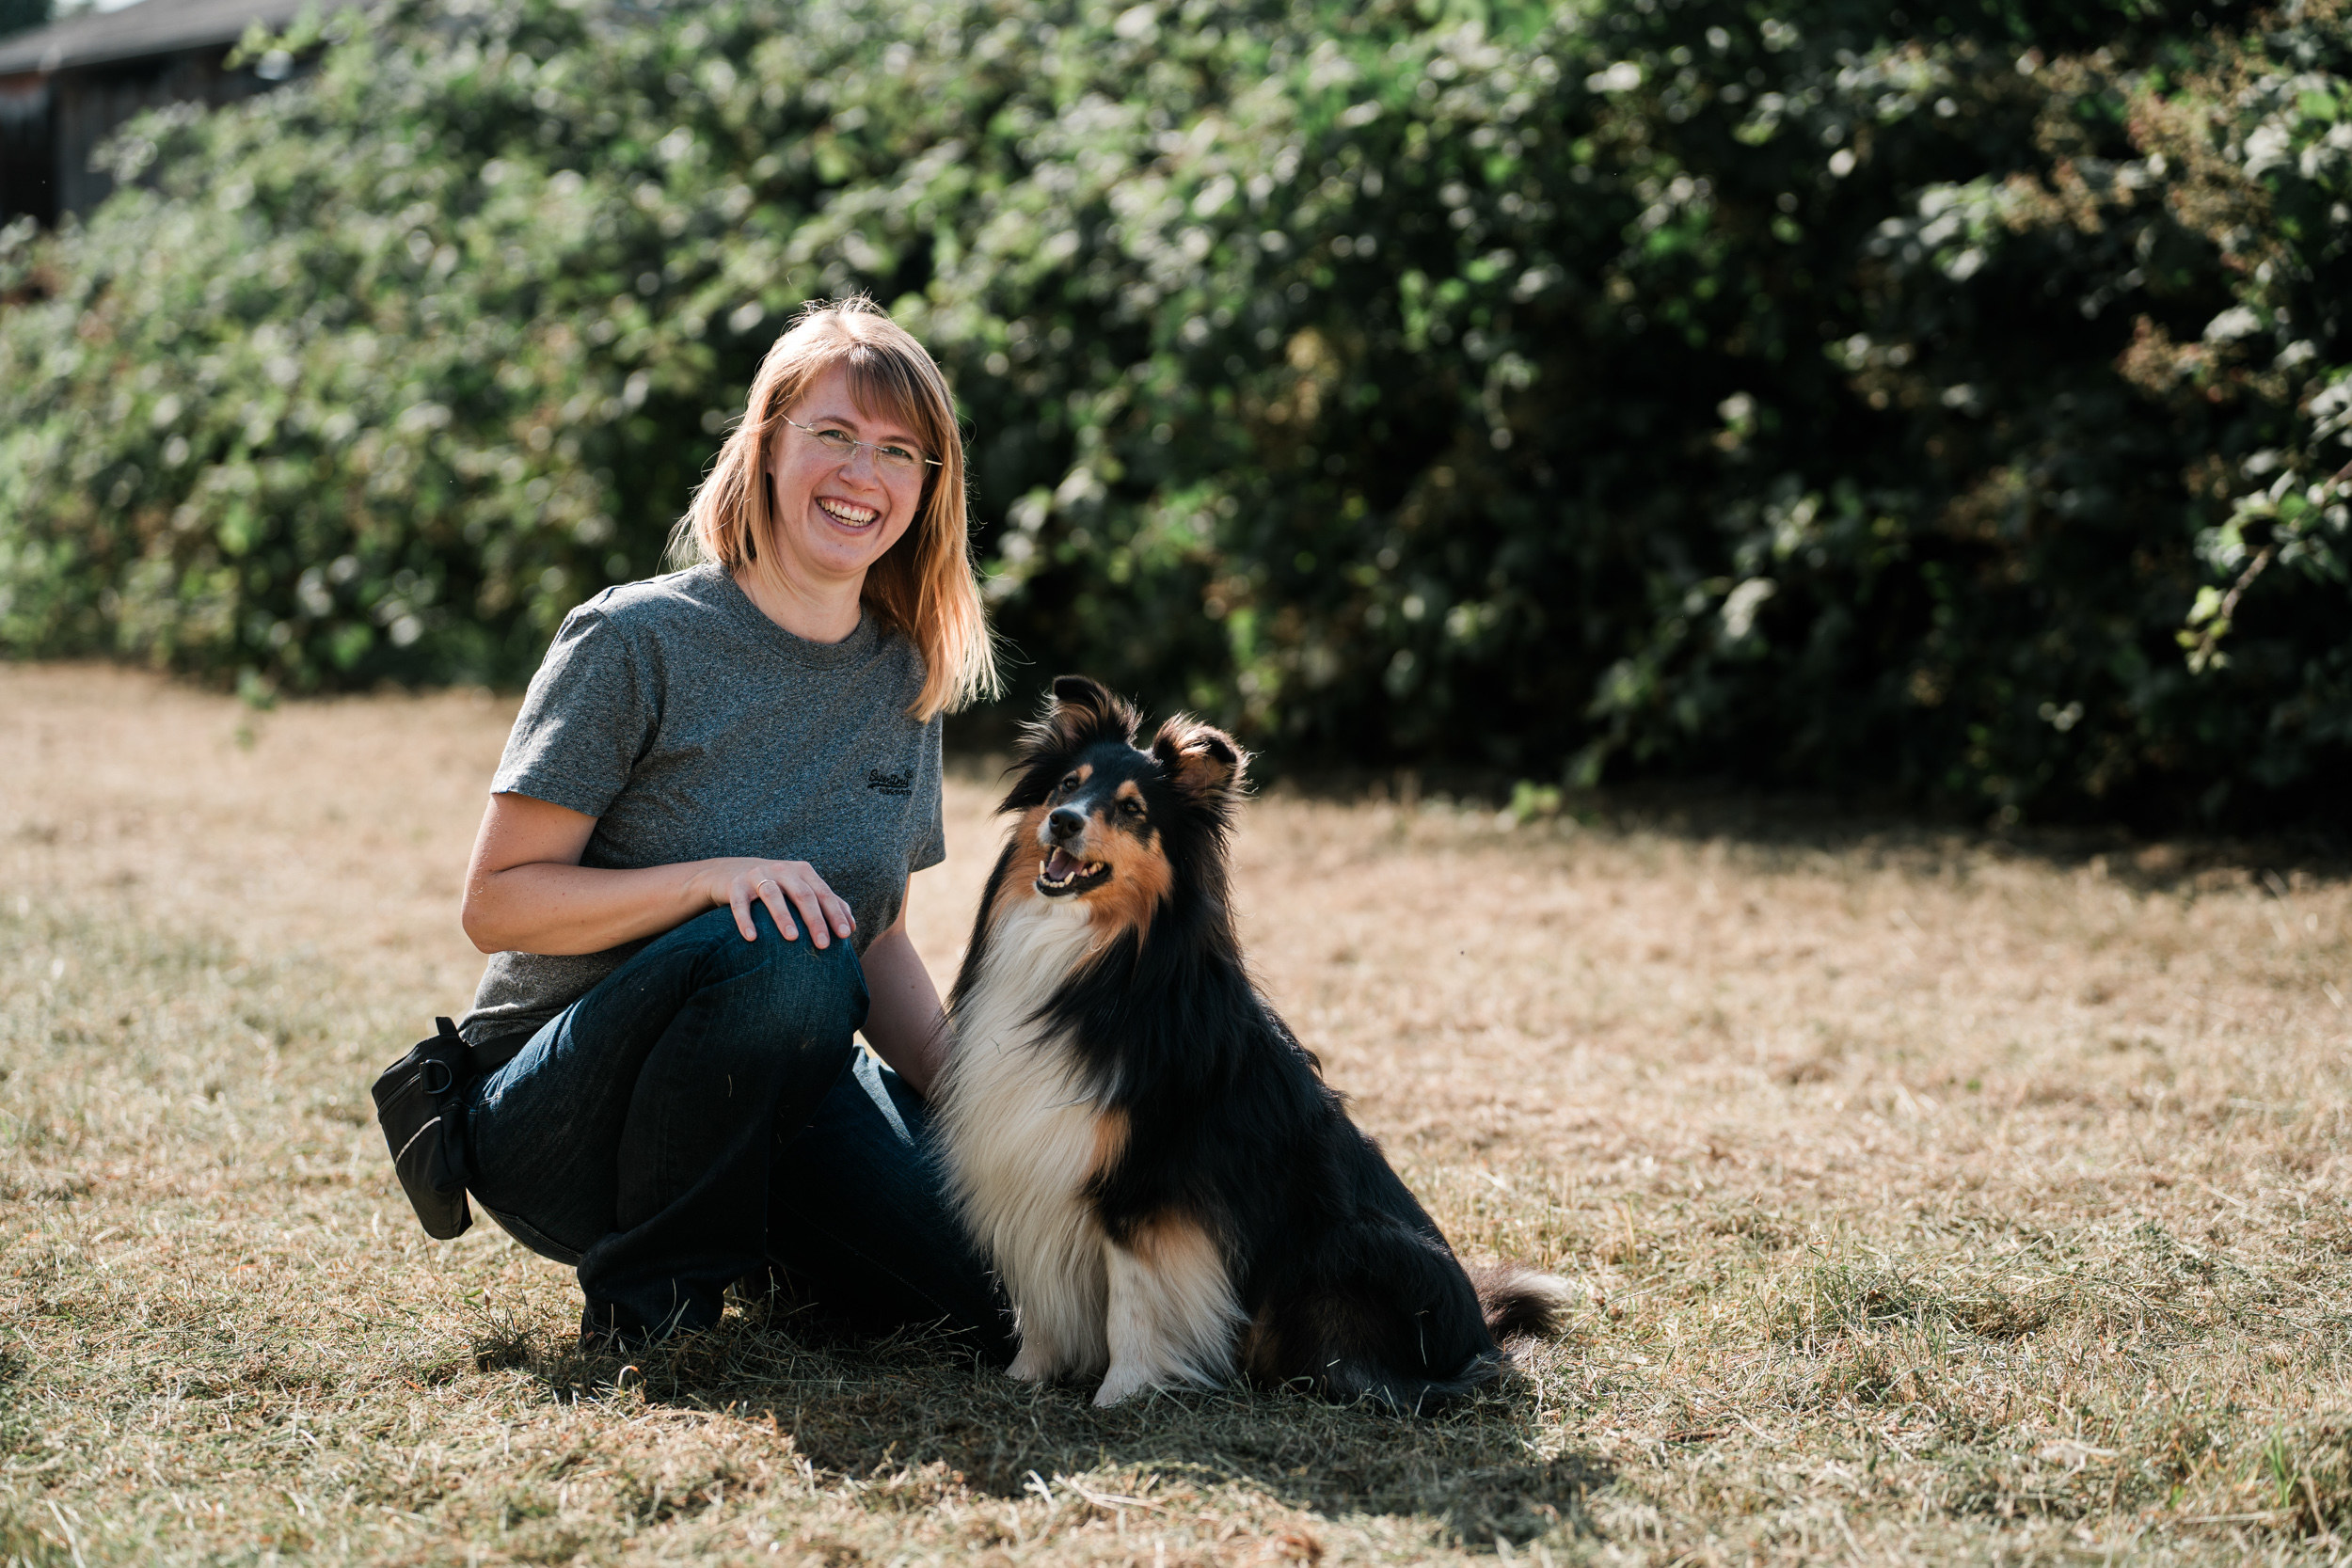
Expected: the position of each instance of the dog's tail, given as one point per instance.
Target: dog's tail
(1519, 1302)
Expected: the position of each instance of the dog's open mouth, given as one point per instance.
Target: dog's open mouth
(1061, 872)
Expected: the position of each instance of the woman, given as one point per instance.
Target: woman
(692, 877)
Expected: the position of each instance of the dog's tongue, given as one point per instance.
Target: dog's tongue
(1061, 865)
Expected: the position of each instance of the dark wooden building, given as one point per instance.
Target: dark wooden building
(65, 87)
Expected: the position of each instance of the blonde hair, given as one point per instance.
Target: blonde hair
(924, 586)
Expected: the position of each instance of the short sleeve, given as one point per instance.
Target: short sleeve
(586, 719)
(930, 842)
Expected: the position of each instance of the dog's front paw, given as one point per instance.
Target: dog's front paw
(1031, 1366)
(1122, 1382)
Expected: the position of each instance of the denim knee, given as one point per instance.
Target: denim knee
(803, 989)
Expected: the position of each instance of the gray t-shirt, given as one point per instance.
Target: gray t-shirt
(691, 726)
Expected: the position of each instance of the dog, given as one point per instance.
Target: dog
(1166, 1186)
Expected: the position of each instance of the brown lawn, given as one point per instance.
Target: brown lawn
(1937, 1199)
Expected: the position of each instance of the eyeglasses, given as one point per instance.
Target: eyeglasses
(887, 455)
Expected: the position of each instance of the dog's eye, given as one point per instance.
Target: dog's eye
(1070, 784)
(1132, 808)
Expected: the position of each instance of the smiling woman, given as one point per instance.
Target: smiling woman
(706, 763)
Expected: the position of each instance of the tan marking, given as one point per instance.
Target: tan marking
(1021, 875)
(1111, 1129)
(1140, 878)
(1173, 1240)
(1085, 771)
(1130, 791)
(1261, 1347)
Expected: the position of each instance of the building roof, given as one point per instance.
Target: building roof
(135, 32)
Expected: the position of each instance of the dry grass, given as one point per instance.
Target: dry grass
(1937, 1200)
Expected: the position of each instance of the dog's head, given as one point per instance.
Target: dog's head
(1115, 824)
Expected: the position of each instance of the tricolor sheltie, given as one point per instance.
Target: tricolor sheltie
(1152, 1163)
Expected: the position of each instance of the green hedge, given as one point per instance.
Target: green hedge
(1941, 402)
(18, 15)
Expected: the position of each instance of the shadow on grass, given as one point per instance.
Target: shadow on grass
(915, 1403)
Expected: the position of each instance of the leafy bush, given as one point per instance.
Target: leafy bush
(1698, 387)
(18, 15)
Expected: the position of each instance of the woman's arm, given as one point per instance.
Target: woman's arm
(526, 890)
(904, 1020)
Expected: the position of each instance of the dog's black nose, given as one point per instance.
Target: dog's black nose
(1066, 823)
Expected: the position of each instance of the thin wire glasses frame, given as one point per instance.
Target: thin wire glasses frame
(887, 455)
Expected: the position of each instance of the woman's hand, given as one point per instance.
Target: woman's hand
(783, 886)
(527, 891)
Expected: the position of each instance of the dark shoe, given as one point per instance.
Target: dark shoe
(754, 1288)
(602, 1332)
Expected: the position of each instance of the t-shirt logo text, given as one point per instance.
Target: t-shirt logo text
(890, 784)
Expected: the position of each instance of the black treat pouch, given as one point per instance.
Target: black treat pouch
(413, 1098)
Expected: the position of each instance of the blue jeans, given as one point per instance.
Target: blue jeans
(694, 1120)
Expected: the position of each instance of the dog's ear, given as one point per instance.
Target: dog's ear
(1079, 713)
(1201, 761)
(1083, 711)
(1086, 702)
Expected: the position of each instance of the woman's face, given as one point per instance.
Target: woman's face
(836, 516)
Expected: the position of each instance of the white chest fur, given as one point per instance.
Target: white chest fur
(1020, 1132)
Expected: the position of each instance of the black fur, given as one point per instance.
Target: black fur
(1350, 1288)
